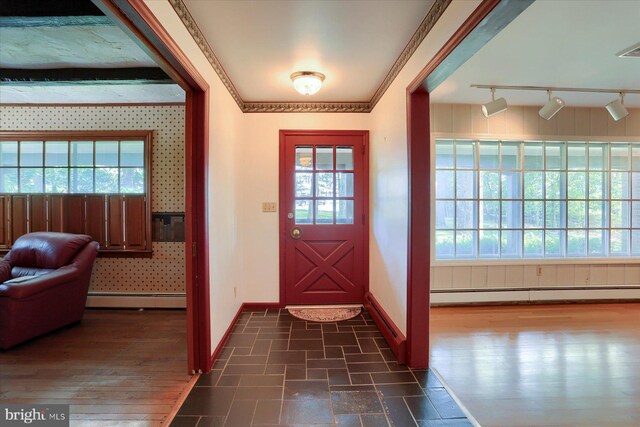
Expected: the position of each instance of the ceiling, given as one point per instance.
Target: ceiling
(67, 51)
(561, 43)
(354, 43)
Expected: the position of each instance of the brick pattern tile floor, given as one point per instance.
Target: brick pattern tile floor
(276, 370)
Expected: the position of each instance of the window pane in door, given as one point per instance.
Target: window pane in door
(56, 180)
(344, 211)
(8, 153)
(31, 153)
(106, 153)
(56, 153)
(8, 180)
(324, 184)
(81, 153)
(304, 212)
(344, 184)
(132, 153)
(304, 184)
(304, 158)
(324, 211)
(324, 158)
(344, 158)
(31, 180)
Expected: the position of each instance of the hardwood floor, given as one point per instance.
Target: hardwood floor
(118, 367)
(571, 365)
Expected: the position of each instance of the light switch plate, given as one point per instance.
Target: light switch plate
(269, 206)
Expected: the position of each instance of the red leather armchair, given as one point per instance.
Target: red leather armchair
(44, 281)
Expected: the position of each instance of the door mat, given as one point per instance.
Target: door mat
(326, 313)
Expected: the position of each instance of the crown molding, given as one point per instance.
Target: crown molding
(435, 12)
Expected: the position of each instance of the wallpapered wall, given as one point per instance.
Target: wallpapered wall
(463, 120)
(164, 272)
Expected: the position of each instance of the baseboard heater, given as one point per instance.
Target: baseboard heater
(537, 295)
(389, 330)
(137, 300)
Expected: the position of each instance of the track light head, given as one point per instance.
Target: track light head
(495, 106)
(552, 106)
(616, 108)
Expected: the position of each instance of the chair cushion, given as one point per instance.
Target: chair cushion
(45, 249)
(5, 271)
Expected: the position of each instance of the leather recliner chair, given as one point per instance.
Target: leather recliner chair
(44, 281)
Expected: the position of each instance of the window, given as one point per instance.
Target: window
(331, 199)
(89, 182)
(536, 199)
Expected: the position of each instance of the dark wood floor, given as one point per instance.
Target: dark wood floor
(552, 365)
(117, 367)
(276, 370)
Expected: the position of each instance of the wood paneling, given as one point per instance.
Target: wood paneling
(114, 368)
(94, 219)
(18, 217)
(570, 365)
(115, 227)
(4, 225)
(37, 213)
(135, 224)
(104, 217)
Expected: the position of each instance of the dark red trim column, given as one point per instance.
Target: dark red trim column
(418, 268)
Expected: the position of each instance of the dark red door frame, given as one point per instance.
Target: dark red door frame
(487, 20)
(137, 20)
(282, 199)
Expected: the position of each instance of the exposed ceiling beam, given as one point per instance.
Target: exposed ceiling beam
(63, 76)
(40, 8)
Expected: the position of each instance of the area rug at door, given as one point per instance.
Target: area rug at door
(324, 314)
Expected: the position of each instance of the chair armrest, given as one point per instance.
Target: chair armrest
(40, 283)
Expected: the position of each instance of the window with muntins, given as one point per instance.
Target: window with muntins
(536, 199)
(85, 182)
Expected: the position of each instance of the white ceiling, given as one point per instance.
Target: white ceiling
(104, 46)
(354, 43)
(562, 43)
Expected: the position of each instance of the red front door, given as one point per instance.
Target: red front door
(324, 225)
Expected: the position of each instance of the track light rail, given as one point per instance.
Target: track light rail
(557, 89)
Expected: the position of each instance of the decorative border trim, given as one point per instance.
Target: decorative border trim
(434, 14)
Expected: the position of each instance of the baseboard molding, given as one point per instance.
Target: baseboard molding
(136, 301)
(534, 296)
(396, 340)
(254, 306)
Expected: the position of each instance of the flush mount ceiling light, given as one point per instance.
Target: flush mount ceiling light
(307, 82)
(550, 109)
(617, 109)
(495, 106)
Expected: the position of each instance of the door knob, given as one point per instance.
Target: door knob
(296, 233)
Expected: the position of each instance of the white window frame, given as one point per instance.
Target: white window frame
(631, 259)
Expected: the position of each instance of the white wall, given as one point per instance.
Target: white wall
(518, 122)
(389, 179)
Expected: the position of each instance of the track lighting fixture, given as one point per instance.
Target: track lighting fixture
(550, 109)
(617, 109)
(495, 106)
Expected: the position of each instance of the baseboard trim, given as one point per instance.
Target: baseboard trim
(254, 306)
(396, 340)
(136, 301)
(534, 296)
